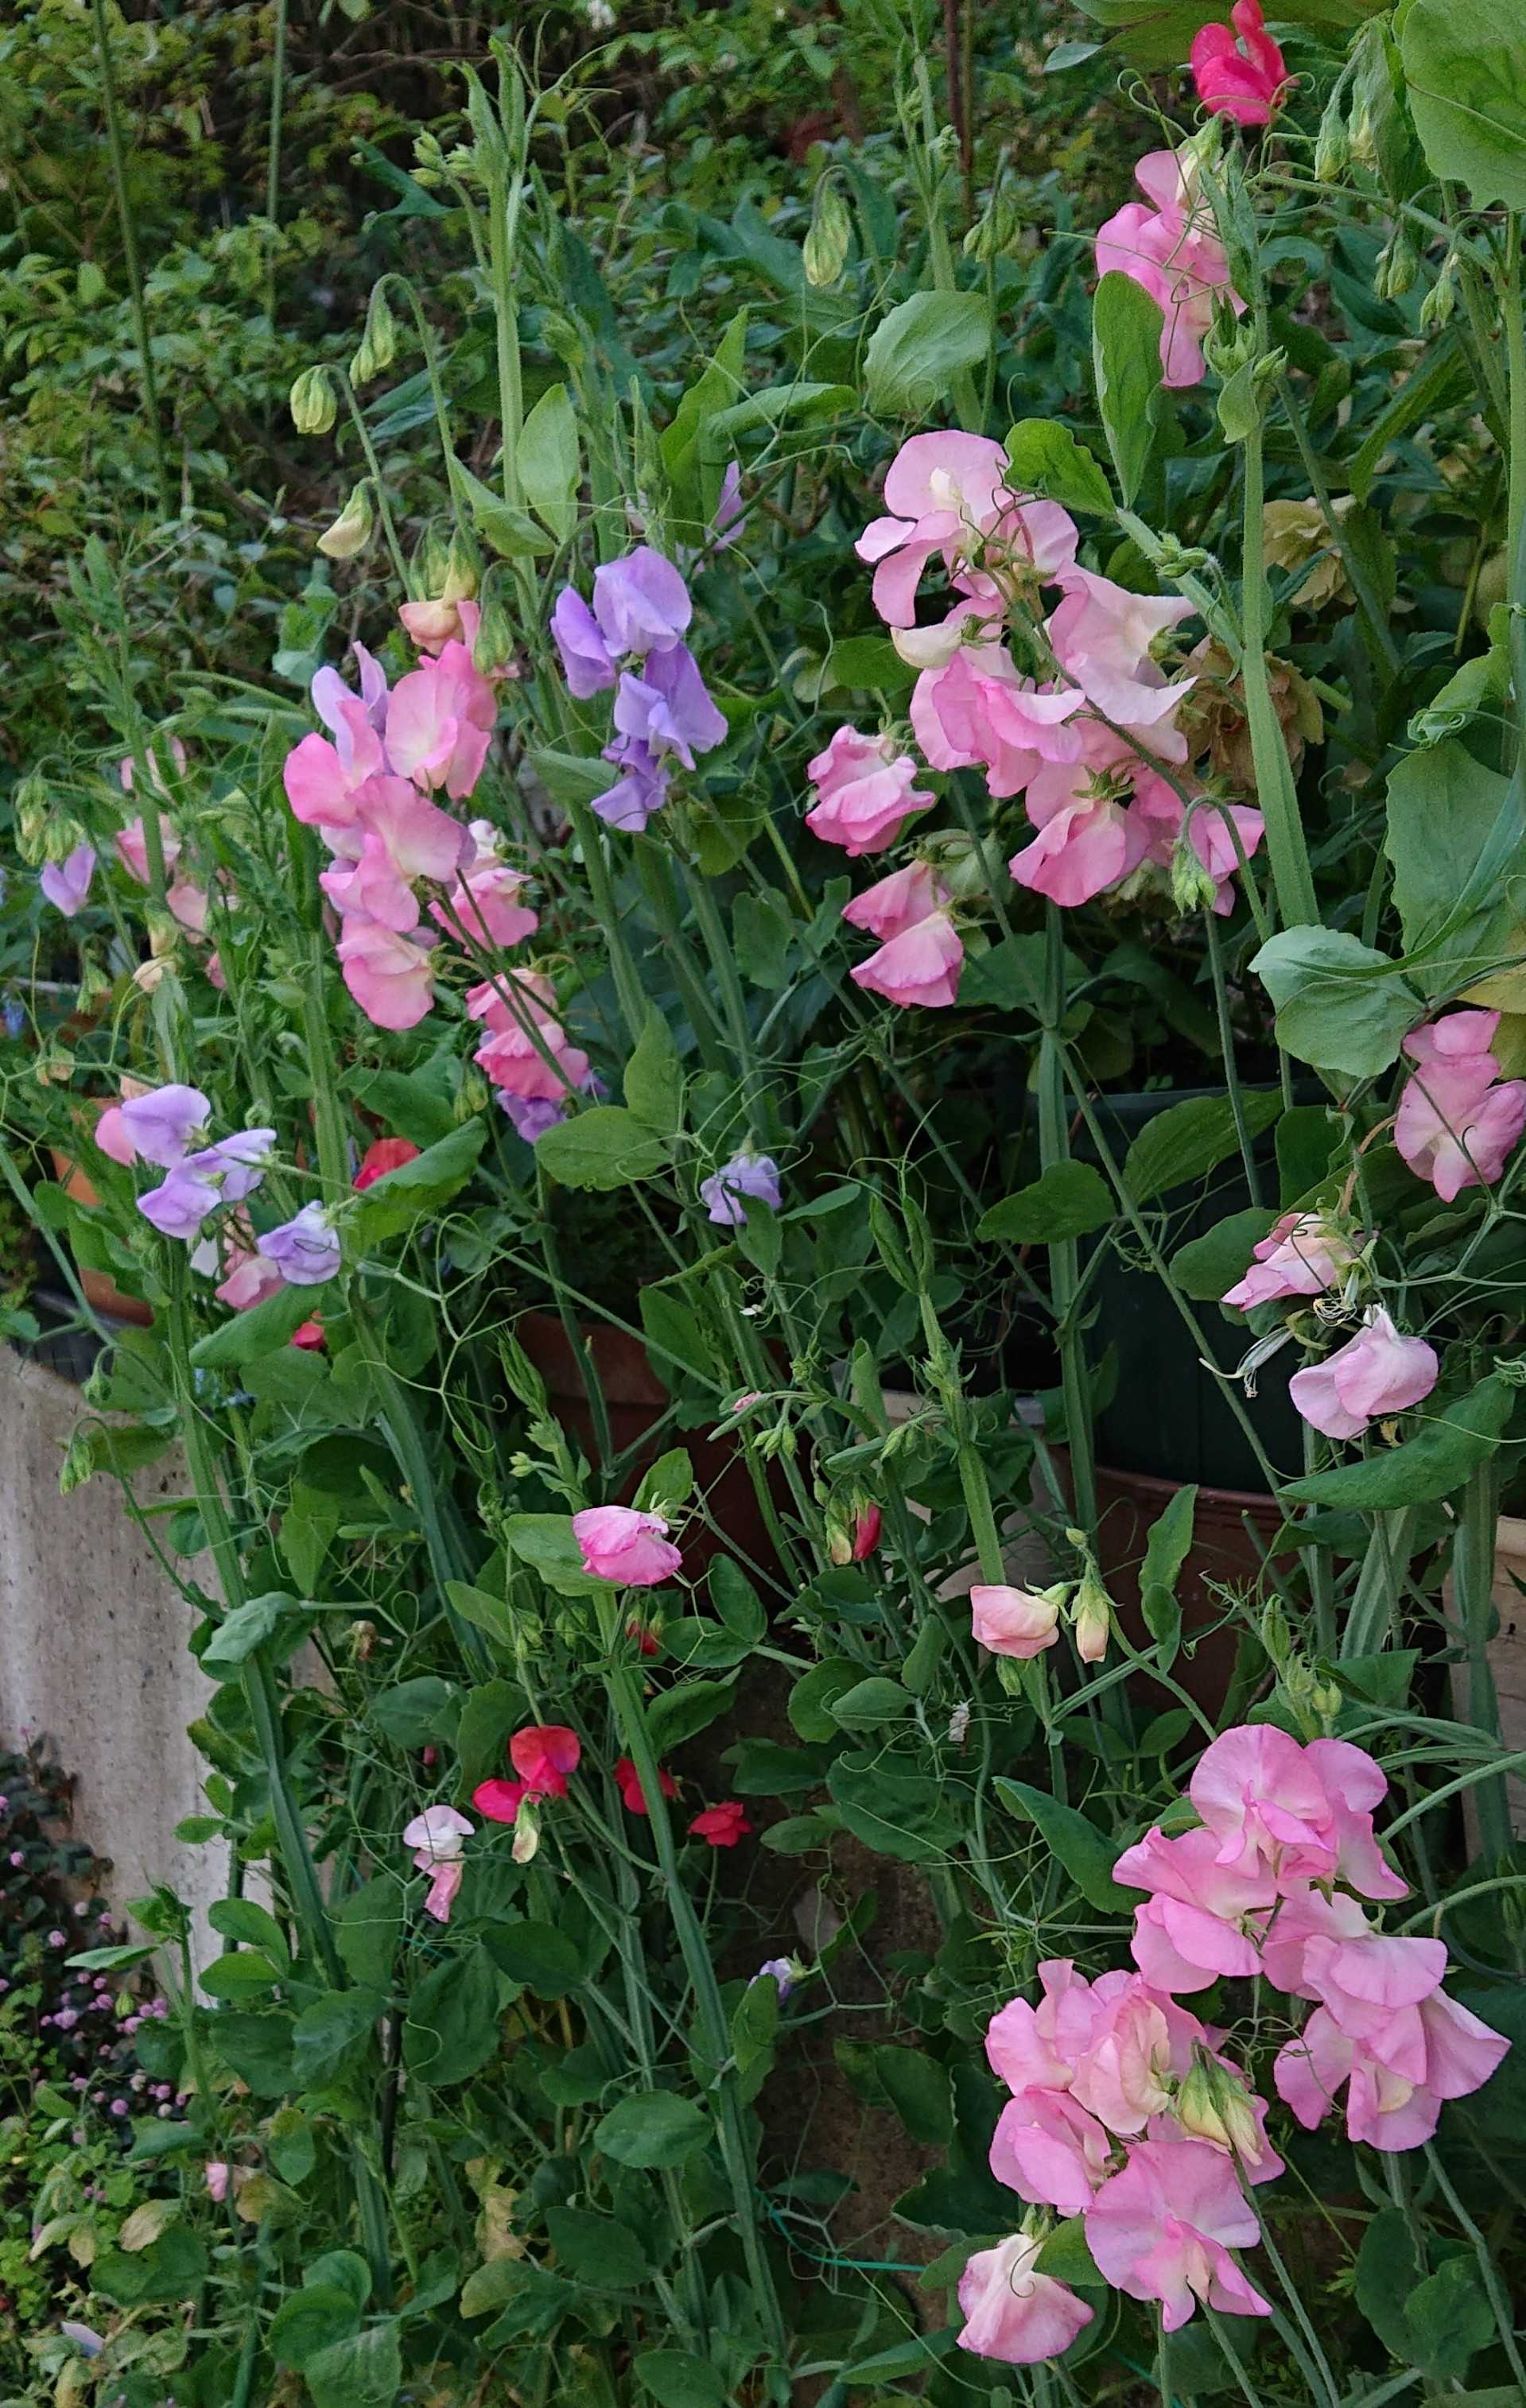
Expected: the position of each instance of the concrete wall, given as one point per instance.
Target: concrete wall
(93, 1647)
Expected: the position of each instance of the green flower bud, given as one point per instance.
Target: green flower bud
(378, 343)
(34, 817)
(352, 530)
(1398, 265)
(314, 403)
(1332, 143)
(1214, 2104)
(995, 231)
(1439, 303)
(1193, 887)
(826, 246)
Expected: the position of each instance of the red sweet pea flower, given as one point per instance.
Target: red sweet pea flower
(387, 1153)
(722, 1826)
(1245, 79)
(499, 1801)
(309, 1336)
(632, 1794)
(645, 1636)
(543, 1755)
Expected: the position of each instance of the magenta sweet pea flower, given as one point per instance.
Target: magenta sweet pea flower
(1175, 252)
(1243, 80)
(748, 1177)
(305, 1249)
(1162, 2228)
(1457, 1124)
(1377, 1373)
(921, 966)
(1012, 2311)
(67, 884)
(545, 1756)
(618, 1544)
(866, 790)
(1013, 1621)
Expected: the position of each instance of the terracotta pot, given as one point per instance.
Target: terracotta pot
(100, 1289)
(635, 1400)
(1223, 1552)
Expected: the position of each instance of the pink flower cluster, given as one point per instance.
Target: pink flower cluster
(1172, 249)
(1086, 733)
(1376, 1373)
(1126, 2112)
(366, 787)
(526, 1053)
(1458, 1119)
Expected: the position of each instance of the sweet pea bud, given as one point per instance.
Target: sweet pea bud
(1332, 143)
(1439, 303)
(314, 403)
(1214, 2104)
(462, 570)
(33, 818)
(957, 860)
(428, 567)
(1228, 344)
(995, 231)
(62, 836)
(352, 530)
(1193, 885)
(471, 1097)
(825, 249)
(494, 648)
(1276, 1637)
(378, 343)
(527, 1831)
(1397, 266)
(1091, 1619)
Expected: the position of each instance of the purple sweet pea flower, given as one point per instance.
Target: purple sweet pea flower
(730, 510)
(782, 1969)
(241, 1160)
(160, 1127)
(305, 1249)
(667, 709)
(530, 1116)
(67, 884)
(755, 1176)
(642, 603)
(585, 656)
(641, 789)
(179, 1205)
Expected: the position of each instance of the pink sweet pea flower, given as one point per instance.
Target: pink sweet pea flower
(1388, 2109)
(1375, 1374)
(1012, 2311)
(1193, 1928)
(1212, 831)
(215, 2175)
(1173, 251)
(487, 899)
(543, 1755)
(249, 1278)
(395, 837)
(1050, 2150)
(436, 1836)
(1369, 1981)
(321, 776)
(1101, 635)
(1303, 1254)
(440, 721)
(628, 1782)
(67, 884)
(1243, 80)
(133, 850)
(1013, 1621)
(618, 1544)
(1082, 848)
(1298, 1813)
(921, 966)
(1456, 1126)
(897, 902)
(1355, 1787)
(1163, 2228)
(1038, 2048)
(946, 494)
(866, 790)
(722, 1826)
(1140, 2047)
(390, 975)
(511, 1006)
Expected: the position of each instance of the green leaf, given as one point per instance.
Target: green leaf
(245, 1336)
(655, 1078)
(365, 2371)
(917, 2088)
(1466, 79)
(538, 1956)
(1431, 1465)
(1086, 1856)
(1450, 2319)
(1206, 1267)
(906, 1815)
(257, 2048)
(415, 1104)
(737, 1602)
(869, 665)
(568, 777)
(453, 2020)
(367, 1926)
(546, 1542)
(1046, 459)
(1189, 1141)
(310, 2320)
(423, 1185)
(511, 533)
(596, 2250)
(1387, 2274)
(869, 1703)
(810, 1700)
(676, 2379)
(291, 2146)
(920, 346)
(602, 1147)
(249, 1625)
(414, 1713)
(1125, 328)
(653, 2127)
(678, 1714)
(326, 2031)
(1066, 2258)
(669, 1482)
(1070, 1199)
(548, 462)
(1340, 1006)
(1447, 788)
(341, 2270)
(485, 1612)
(1166, 1550)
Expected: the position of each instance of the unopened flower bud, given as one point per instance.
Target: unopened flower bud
(825, 249)
(1214, 2104)
(1332, 143)
(1091, 1619)
(33, 818)
(527, 1831)
(378, 343)
(314, 403)
(352, 530)
(960, 867)
(1397, 266)
(1193, 885)
(462, 570)
(1440, 300)
(493, 650)
(995, 231)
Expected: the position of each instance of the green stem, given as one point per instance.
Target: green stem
(272, 168)
(1276, 789)
(1472, 1584)
(130, 253)
(389, 527)
(1064, 1259)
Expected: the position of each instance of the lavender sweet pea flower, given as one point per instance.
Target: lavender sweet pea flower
(305, 1249)
(67, 884)
(240, 1159)
(755, 1176)
(530, 1116)
(782, 1969)
(667, 709)
(585, 656)
(641, 789)
(642, 603)
(85, 2339)
(182, 1202)
(160, 1127)
(730, 510)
